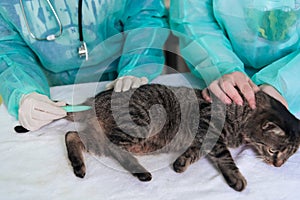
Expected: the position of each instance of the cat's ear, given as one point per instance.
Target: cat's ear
(268, 127)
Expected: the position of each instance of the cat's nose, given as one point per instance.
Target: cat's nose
(278, 163)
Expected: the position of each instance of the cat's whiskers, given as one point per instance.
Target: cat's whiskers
(264, 159)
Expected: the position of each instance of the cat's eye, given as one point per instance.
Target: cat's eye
(272, 151)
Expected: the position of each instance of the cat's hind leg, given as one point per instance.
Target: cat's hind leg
(75, 149)
(126, 158)
(130, 163)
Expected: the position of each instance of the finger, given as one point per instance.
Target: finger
(127, 82)
(60, 103)
(110, 85)
(144, 80)
(46, 112)
(37, 124)
(254, 86)
(31, 124)
(23, 120)
(219, 93)
(248, 93)
(205, 95)
(250, 97)
(118, 85)
(136, 83)
(51, 109)
(45, 116)
(231, 92)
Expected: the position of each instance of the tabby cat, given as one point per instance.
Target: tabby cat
(156, 118)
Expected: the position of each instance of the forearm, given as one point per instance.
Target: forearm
(19, 69)
(18, 79)
(143, 57)
(203, 43)
(146, 31)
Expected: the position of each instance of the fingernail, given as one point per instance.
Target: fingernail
(240, 103)
(208, 99)
(228, 101)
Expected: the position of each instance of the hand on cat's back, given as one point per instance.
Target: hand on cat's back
(230, 88)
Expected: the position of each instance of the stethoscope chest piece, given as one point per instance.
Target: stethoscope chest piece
(83, 51)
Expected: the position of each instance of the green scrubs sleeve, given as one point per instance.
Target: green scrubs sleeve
(283, 75)
(203, 44)
(20, 72)
(146, 30)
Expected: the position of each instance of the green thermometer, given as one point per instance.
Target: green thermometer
(73, 108)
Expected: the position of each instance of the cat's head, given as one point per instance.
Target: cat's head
(275, 132)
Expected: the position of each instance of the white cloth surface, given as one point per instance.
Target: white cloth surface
(34, 165)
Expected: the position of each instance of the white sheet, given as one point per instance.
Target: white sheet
(35, 166)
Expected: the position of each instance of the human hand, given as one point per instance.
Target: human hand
(270, 90)
(125, 83)
(37, 110)
(225, 89)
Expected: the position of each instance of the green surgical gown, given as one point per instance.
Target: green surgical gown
(124, 37)
(258, 37)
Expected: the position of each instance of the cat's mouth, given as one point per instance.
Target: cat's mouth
(275, 162)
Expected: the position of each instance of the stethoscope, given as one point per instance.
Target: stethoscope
(82, 50)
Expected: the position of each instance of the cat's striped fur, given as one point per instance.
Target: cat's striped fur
(156, 118)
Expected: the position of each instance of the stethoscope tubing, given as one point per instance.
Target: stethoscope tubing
(49, 37)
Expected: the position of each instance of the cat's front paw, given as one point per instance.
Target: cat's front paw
(181, 164)
(146, 176)
(79, 169)
(236, 180)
